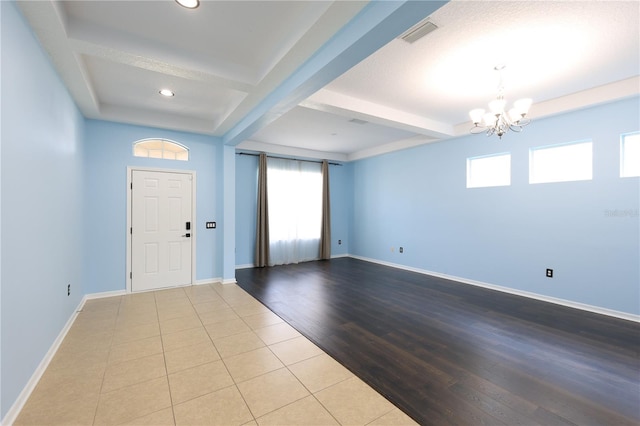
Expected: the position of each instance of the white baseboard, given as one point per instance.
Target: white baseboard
(17, 406)
(105, 294)
(245, 266)
(229, 281)
(251, 265)
(338, 256)
(541, 297)
(208, 281)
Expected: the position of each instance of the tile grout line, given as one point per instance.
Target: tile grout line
(234, 380)
(121, 305)
(285, 366)
(147, 380)
(381, 416)
(104, 374)
(328, 387)
(313, 394)
(173, 413)
(235, 384)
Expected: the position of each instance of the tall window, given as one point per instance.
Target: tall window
(295, 210)
(160, 148)
(561, 163)
(630, 155)
(490, 170)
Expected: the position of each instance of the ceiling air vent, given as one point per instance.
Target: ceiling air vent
(357, 121)
(418, 31)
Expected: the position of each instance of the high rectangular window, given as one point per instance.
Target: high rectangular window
(490, 170)
(630, 155)
(561, 163)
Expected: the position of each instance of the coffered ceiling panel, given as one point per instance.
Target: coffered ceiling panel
(233, 40)
(119, 85)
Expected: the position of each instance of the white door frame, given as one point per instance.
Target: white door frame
(194, 232)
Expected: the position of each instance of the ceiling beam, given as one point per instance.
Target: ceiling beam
(348, 106)
(377, 24)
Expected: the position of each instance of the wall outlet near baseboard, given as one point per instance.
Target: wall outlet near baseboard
(69, 290)
(401, 250)
(549, 273)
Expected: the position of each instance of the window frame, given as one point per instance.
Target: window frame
(470, 176)
(622, 153)
(532, 169)
(183, 149)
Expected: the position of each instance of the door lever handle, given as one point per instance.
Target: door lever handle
(188, 235)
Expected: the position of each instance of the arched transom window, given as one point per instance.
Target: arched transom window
(160, 148)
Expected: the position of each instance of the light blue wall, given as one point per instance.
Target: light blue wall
(246, 198)
(109, 152)
(2, 411)
(341, 190)
(246, 208)
(508, 236)
(229, 216)
(42, 200)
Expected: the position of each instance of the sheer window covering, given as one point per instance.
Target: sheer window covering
(297, 187)
(294, 210)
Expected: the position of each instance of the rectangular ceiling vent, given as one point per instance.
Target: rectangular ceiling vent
(418, 31)
(357, 121)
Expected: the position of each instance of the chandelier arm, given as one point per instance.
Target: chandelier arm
(478, 129)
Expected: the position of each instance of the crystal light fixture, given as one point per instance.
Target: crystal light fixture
(498, 121)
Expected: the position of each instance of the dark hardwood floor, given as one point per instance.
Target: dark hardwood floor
(451, 353)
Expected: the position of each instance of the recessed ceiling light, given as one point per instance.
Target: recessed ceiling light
(189, 4)
(166, 92)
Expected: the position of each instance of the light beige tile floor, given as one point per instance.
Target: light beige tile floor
(199, 355)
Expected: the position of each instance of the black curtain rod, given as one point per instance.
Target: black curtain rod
(286, 158)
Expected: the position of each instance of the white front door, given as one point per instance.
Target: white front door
(161, 229)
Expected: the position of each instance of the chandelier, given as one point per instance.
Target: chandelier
(497, 121)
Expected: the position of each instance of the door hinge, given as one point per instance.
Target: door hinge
(131, 185)
(130, 275)
(131, 231)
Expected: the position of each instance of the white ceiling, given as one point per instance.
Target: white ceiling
(225, 58)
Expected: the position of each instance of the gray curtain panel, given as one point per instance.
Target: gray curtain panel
(325, 234)
(262, 224)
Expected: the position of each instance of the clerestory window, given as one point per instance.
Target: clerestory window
(630, 155)
(489, 170)
(561, 163)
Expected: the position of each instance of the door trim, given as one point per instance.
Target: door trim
(194, 232)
